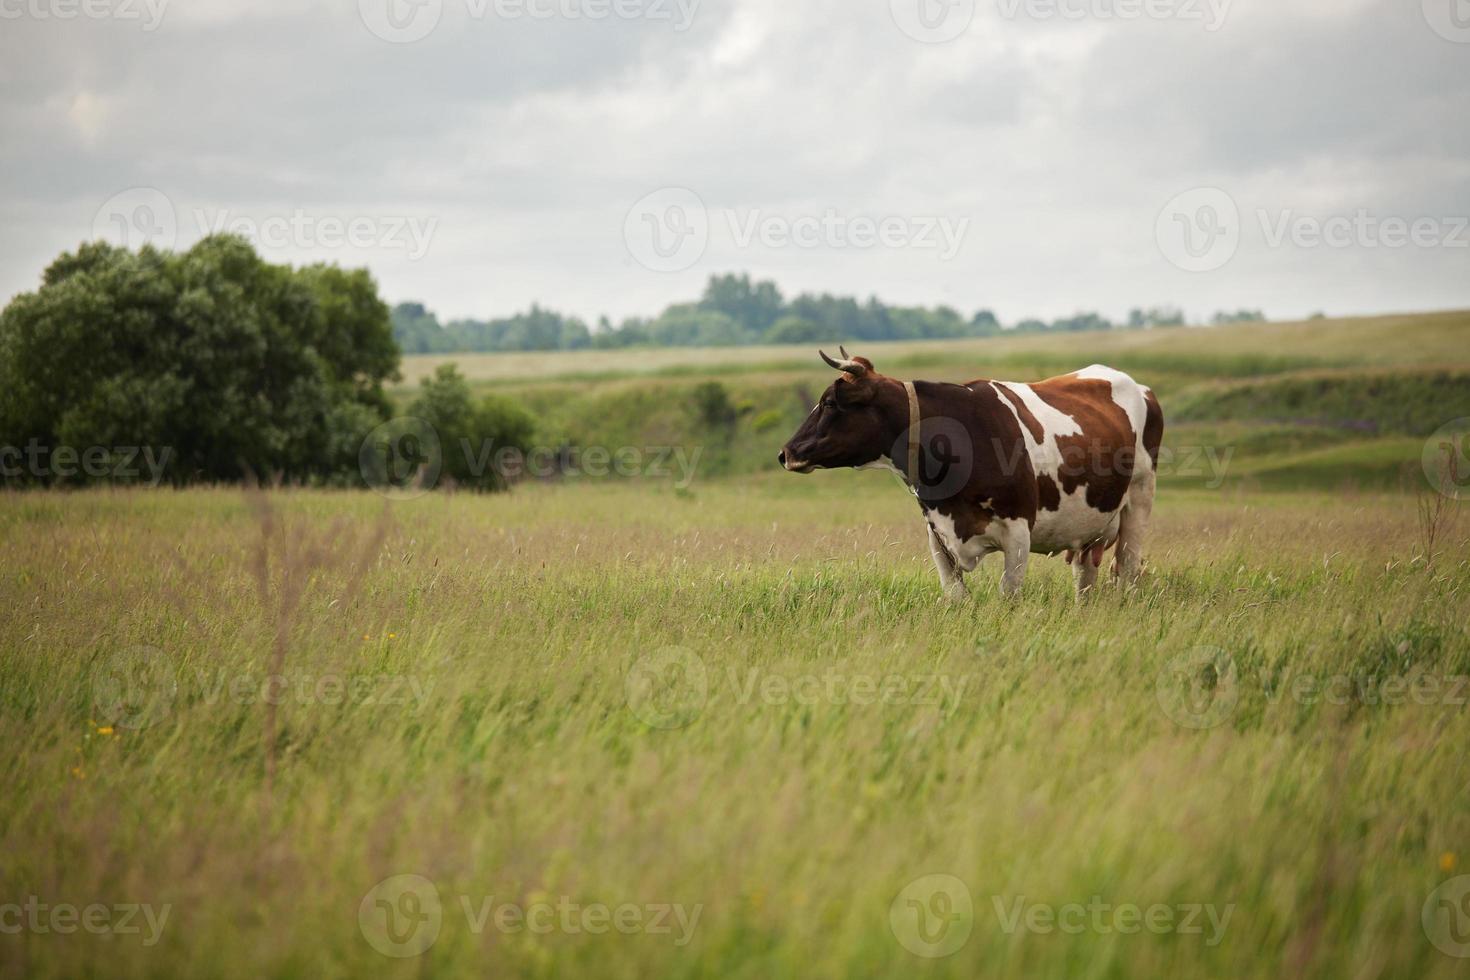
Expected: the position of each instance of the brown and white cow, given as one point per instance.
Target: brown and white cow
(1065, 465)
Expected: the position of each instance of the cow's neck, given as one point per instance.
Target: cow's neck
(947, 401)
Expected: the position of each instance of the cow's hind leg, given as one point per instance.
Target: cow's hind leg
(951, 579)
(1133, 527)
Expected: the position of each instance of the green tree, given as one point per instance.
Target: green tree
(473, 436)
(225, 360)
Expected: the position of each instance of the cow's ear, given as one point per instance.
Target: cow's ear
(865, 363)
(851, 391)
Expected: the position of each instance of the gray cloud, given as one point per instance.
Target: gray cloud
(526, 141)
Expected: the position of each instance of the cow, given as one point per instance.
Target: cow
(1061, 466)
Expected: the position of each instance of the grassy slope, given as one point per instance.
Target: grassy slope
(1050, 773)
(1259, 395)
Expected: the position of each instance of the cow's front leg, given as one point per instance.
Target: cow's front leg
(1015, 545)
(951, 579)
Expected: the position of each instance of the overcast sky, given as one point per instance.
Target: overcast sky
(1036, 157)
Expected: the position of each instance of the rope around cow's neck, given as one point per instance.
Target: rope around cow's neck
(913, 468)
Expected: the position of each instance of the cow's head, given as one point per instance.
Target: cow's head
(848, 427)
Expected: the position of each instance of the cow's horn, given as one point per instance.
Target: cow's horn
(847, 364)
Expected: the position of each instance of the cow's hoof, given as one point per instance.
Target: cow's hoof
(957, 594)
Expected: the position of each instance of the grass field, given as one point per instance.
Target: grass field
(619, 728)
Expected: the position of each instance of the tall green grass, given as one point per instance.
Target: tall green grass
(499, 742)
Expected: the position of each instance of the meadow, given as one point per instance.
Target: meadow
(623, 727)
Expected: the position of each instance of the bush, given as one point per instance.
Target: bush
(226, 361)
(474, 438)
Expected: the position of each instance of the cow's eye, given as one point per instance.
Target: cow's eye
(830, 404)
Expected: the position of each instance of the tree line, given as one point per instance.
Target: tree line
(736, 311)
(210, 365)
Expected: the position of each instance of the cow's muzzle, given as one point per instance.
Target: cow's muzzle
(792, 464)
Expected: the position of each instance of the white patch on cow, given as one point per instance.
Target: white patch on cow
(966, 553)
(1075, 523)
